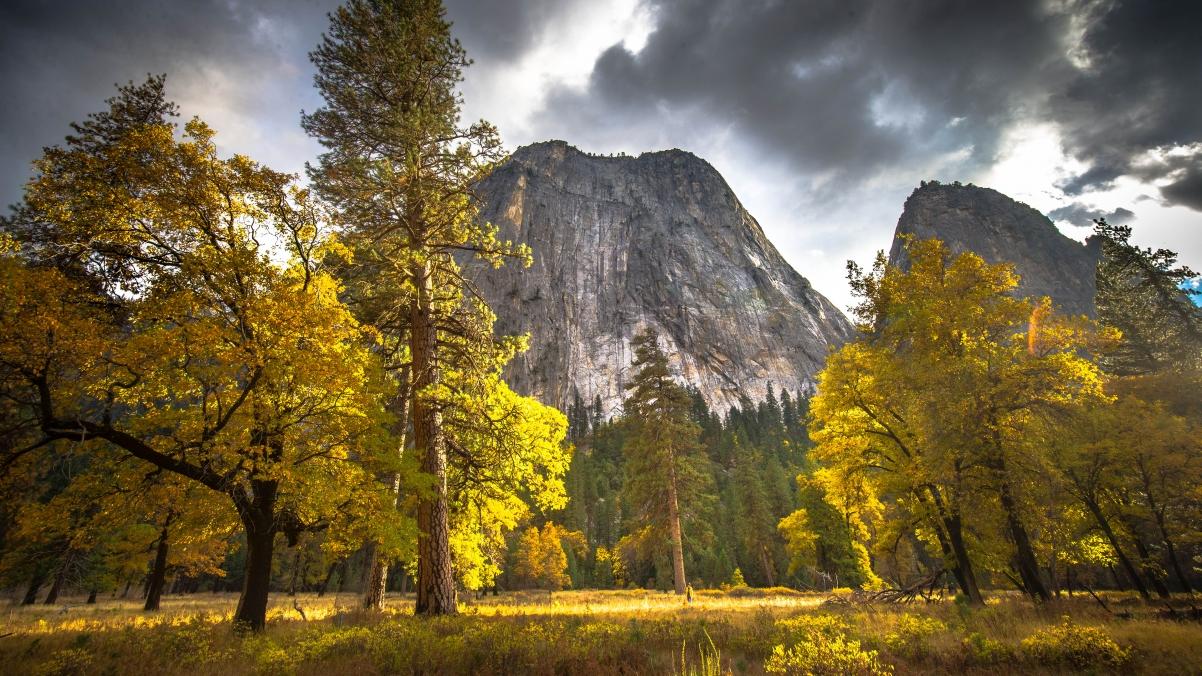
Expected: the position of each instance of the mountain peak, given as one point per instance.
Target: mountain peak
(656, 240)
(1001, 229)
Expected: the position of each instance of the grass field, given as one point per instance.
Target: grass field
(632, 632)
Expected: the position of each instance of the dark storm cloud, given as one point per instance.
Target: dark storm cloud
(1083, 216)
(850, 87)
(853, 87)
(60, 60)
(501, 30)
(1141, 90)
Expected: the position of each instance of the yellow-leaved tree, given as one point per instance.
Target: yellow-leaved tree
(937, 405)
(175, 305)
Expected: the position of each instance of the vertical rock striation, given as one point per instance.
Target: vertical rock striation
(659, 240)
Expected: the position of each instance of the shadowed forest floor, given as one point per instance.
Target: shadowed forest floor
(591, 632)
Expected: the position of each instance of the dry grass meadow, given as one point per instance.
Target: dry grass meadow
(610, 632)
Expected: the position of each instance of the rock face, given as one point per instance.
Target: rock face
(658, 240)
(997, 228)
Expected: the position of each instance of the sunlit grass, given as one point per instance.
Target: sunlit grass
(597, 632)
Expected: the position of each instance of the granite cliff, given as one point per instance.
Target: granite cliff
(997, 228)
(659, 240)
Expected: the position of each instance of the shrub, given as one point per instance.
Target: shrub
(911, 636)
(811, 628)
(834, 656)
(68, 662)
(980, 649)
(1076, 646)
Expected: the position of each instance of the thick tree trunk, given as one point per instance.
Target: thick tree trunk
(435, 580)
(158, 570)
(1148, 566)
(951, 540)
(1024, 553)
(1129, 568)
(258, 520)
(325, 584)
(31, 592)
(955, 536)
(677, 542)
(59, 578)
(375, 584)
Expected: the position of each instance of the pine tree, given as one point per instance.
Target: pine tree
(664, 463)
(400, 167)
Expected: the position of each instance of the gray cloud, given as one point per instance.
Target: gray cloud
(838, 91)
(844, 87)
(853, 87)
(242, 61)
(1138, 92)
(1083, 216)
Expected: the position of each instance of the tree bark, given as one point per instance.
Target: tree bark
(1024, 553)
(435, 581)
(953, 530)
(59, 578)
(258, 520)
(296, 569)
(31, 592)
(1145, 563)
(158, 571)
(377, 564)
(376, 583)
(1129, 568)
(677, 543)
(766, 564)
(325, 584)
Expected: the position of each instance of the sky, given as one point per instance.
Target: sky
(823, 116)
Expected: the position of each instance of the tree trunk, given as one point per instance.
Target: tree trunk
(1170, 549)
(1136, 579)
(1024, 553)
(969, 585)
(951, 541)
(766, 564)
(158, 571)
(677, 542)
(59, 578)
(376, 582)
(296, 566)
(325, 584)
(258, 520)
(435, 581)
(1145, 561)
(92, 596)
(31, 592)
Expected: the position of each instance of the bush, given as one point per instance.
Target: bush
(1075, 646)
(979, 649)
(811, 628)
(911, 636)
(834, 656)
(68, 662)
